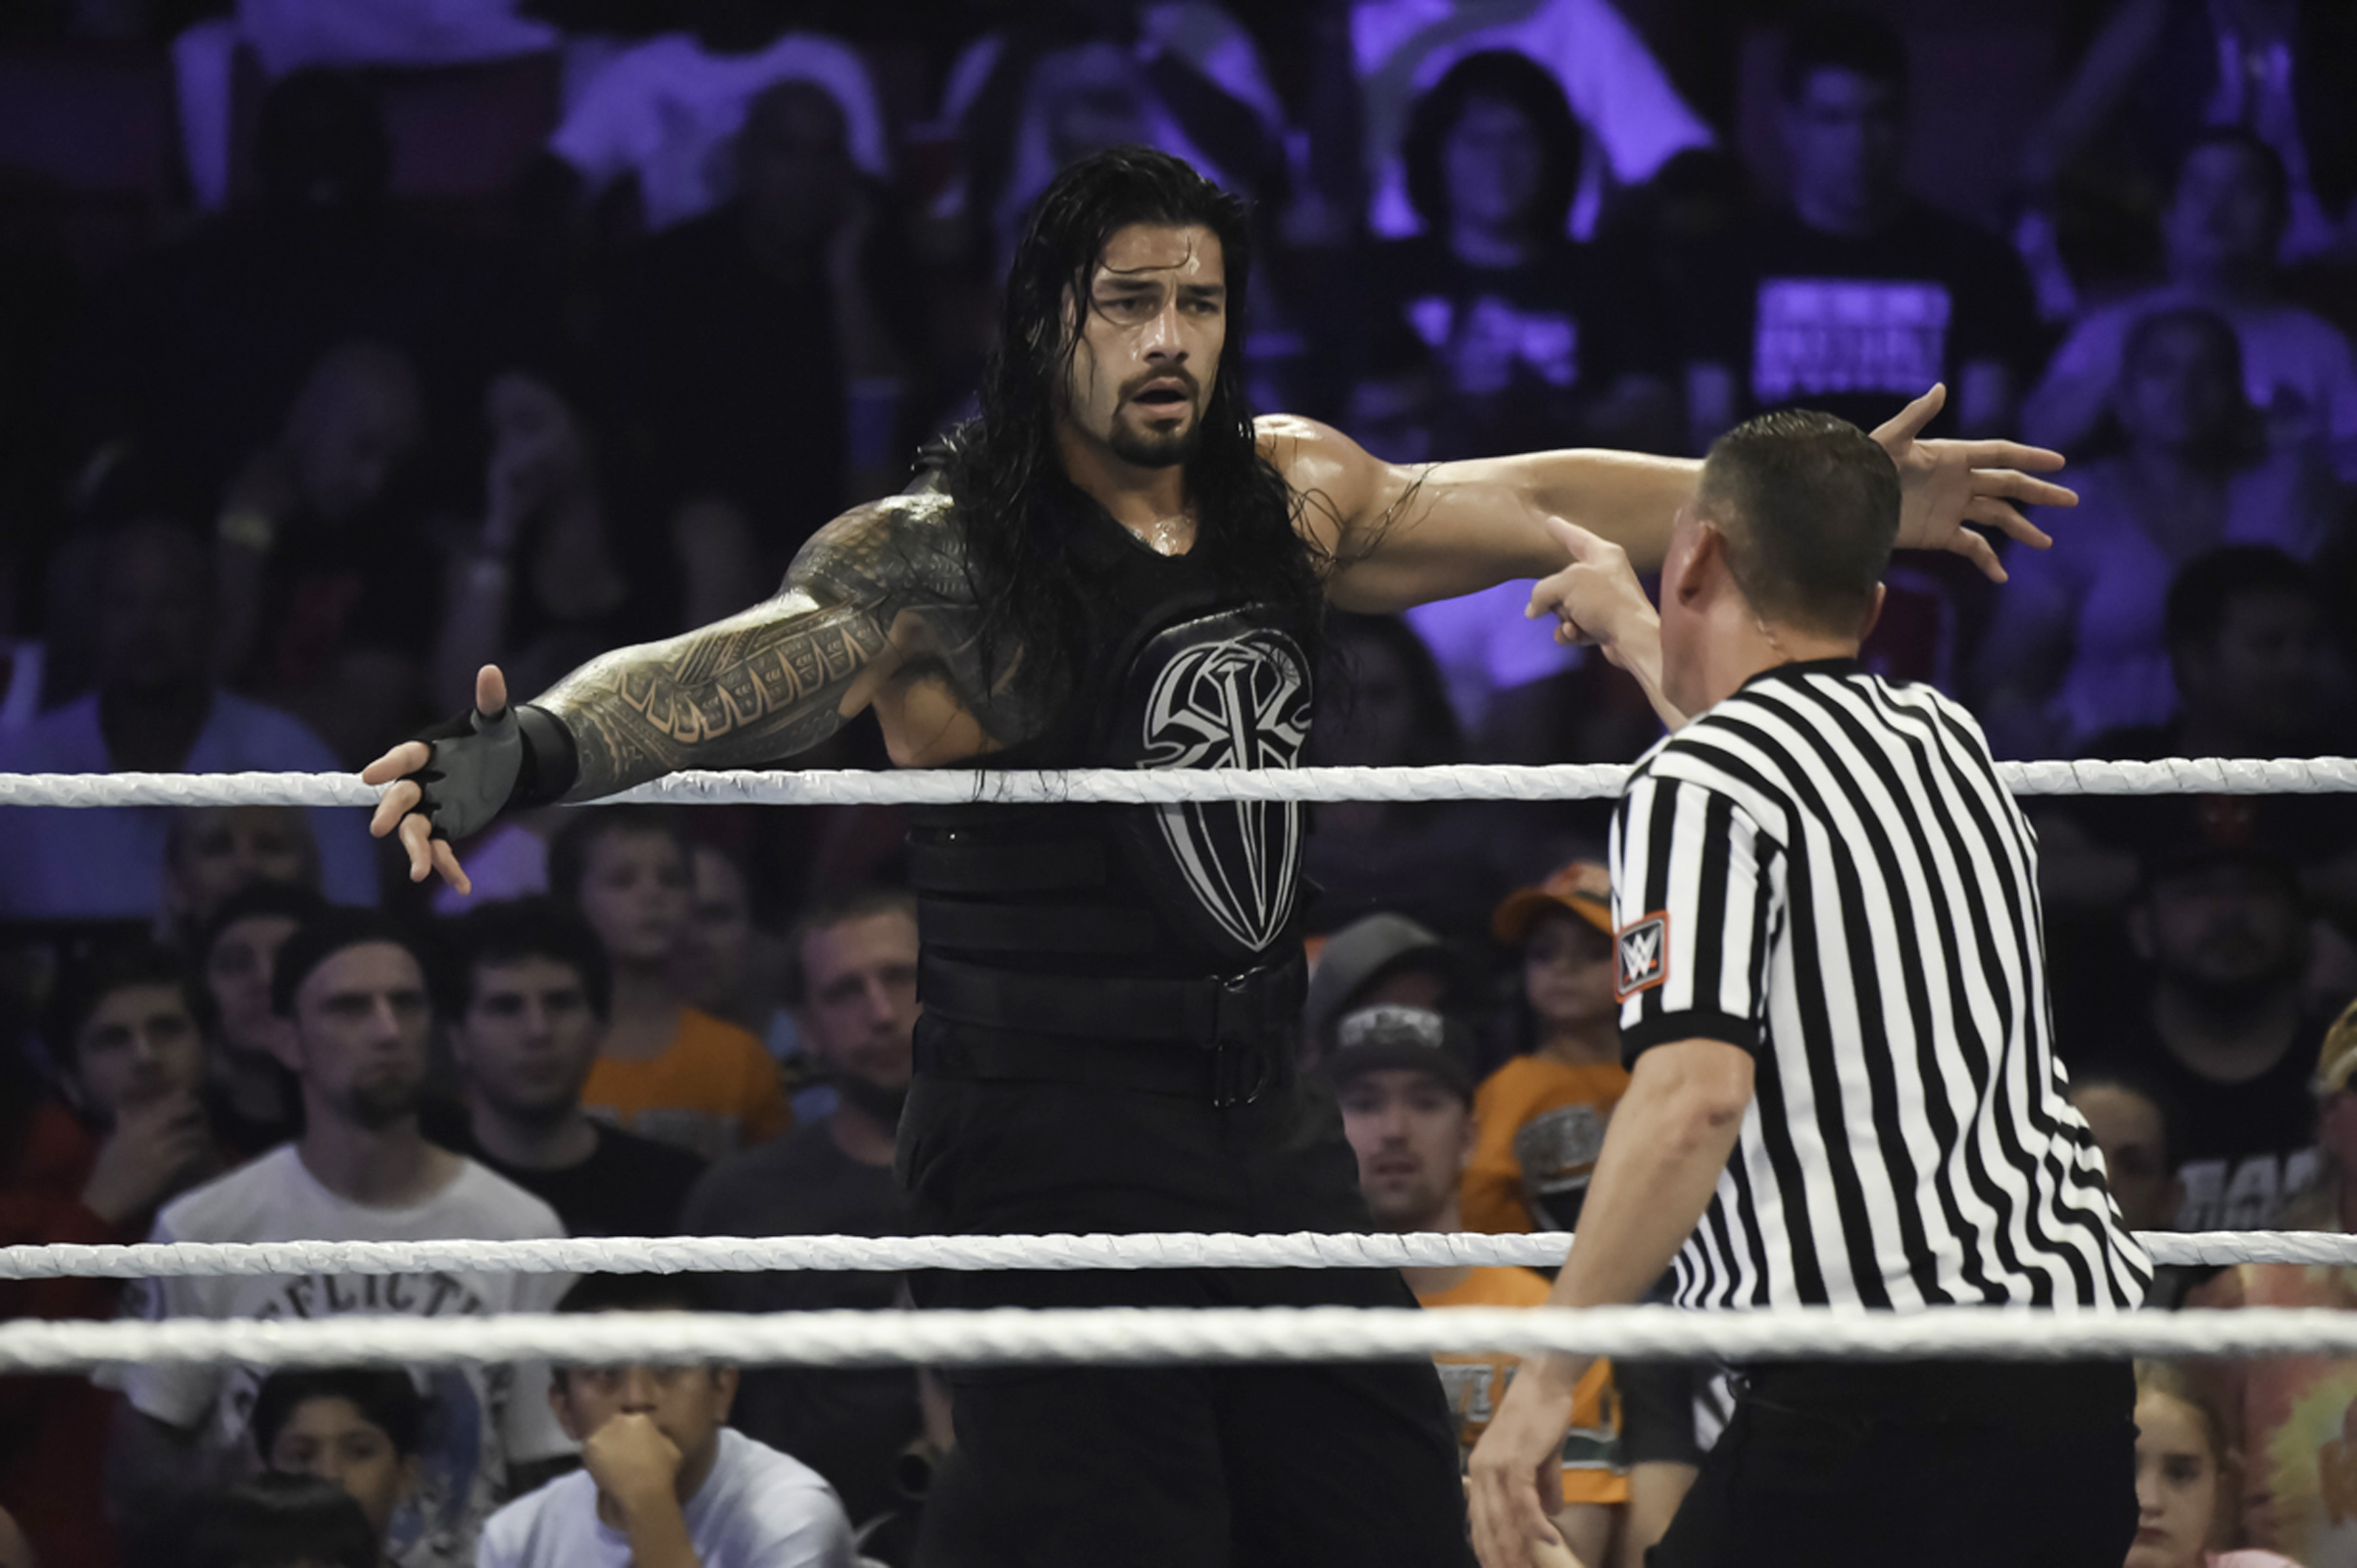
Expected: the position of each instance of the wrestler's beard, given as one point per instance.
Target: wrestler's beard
(872, 1099)
(1146, 450)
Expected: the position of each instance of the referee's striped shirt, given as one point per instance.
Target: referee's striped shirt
(1824, 871)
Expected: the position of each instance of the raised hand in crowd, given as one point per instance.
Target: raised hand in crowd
(158, 1148)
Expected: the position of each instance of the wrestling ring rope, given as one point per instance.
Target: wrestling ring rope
(899, 1254)
(1145, 1335)
(1116, 1335)
(1153, 787)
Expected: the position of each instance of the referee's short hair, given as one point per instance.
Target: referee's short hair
(1808, 505)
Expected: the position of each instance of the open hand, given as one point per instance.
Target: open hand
(1522, 1451)
(1943, 485)
(396, 810)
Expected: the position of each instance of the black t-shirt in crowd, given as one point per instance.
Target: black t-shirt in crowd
(2245, 1146)
(628, 1185)
(1858, 327)
(1511, 351)
(849, 1424)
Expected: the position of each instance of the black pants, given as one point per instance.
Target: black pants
(1930, 1464)
(1190, 1467)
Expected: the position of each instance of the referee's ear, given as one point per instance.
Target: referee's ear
(1873, 612)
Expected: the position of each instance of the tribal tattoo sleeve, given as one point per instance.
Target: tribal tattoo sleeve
(883, 585)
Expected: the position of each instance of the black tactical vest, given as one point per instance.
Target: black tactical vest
(1176, 675)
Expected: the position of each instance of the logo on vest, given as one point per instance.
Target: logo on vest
(1642, 949)
(1241, 702)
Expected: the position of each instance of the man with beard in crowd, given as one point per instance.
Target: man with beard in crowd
(350, 992)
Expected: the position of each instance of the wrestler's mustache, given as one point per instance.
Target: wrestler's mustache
(1162, 380)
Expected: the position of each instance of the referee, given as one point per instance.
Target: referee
(1844, 1089)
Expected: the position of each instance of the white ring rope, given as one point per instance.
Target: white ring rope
(941, 786)
(729, 1254)
(1151, 1335)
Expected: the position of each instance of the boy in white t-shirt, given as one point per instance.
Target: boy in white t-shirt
(663, 1482)
(349, 993)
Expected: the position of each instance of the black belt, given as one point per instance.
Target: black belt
(1229, 1036)
(2053, 1395)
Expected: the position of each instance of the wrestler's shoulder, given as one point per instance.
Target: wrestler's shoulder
(909, 543)
(1294, 442)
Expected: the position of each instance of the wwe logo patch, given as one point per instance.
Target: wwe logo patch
(1641, 955)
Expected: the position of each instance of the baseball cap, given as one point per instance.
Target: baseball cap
(1584, 887)
(1361, 951)
(2337, 1061)
(1391, 1035)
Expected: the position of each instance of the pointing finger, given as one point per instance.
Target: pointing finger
(1577, 542)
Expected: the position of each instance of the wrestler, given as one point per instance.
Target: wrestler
(1116, 565)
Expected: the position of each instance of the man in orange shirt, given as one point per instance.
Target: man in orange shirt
(665, 1070)
(1408, 1109)
(1542, 1116)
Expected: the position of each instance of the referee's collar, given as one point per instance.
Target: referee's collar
(1849, 666)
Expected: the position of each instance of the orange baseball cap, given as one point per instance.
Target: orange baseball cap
(1584, 887)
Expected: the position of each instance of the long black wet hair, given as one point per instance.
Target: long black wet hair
(1020, 512)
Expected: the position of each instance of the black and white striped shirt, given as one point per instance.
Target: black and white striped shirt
(1824, 871)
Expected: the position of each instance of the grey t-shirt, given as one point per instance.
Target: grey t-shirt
(757, 1510)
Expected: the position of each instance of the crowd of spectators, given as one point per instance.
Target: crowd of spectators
(309, 416)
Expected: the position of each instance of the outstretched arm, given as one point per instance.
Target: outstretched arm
(1403, 536)
(874, 592)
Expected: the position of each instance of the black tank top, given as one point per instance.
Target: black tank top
(1175, 673)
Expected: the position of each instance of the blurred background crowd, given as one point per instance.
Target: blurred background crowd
(349, 345)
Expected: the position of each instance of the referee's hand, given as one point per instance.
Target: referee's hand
(1520, 1453)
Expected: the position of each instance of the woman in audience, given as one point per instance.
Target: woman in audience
(2186, 1471)
(2077, 646)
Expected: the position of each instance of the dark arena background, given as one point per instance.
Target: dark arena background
(348, 347)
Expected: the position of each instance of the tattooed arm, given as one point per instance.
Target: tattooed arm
(875, 611)
(1403, 536)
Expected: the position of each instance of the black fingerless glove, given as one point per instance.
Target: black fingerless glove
(480, 765)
